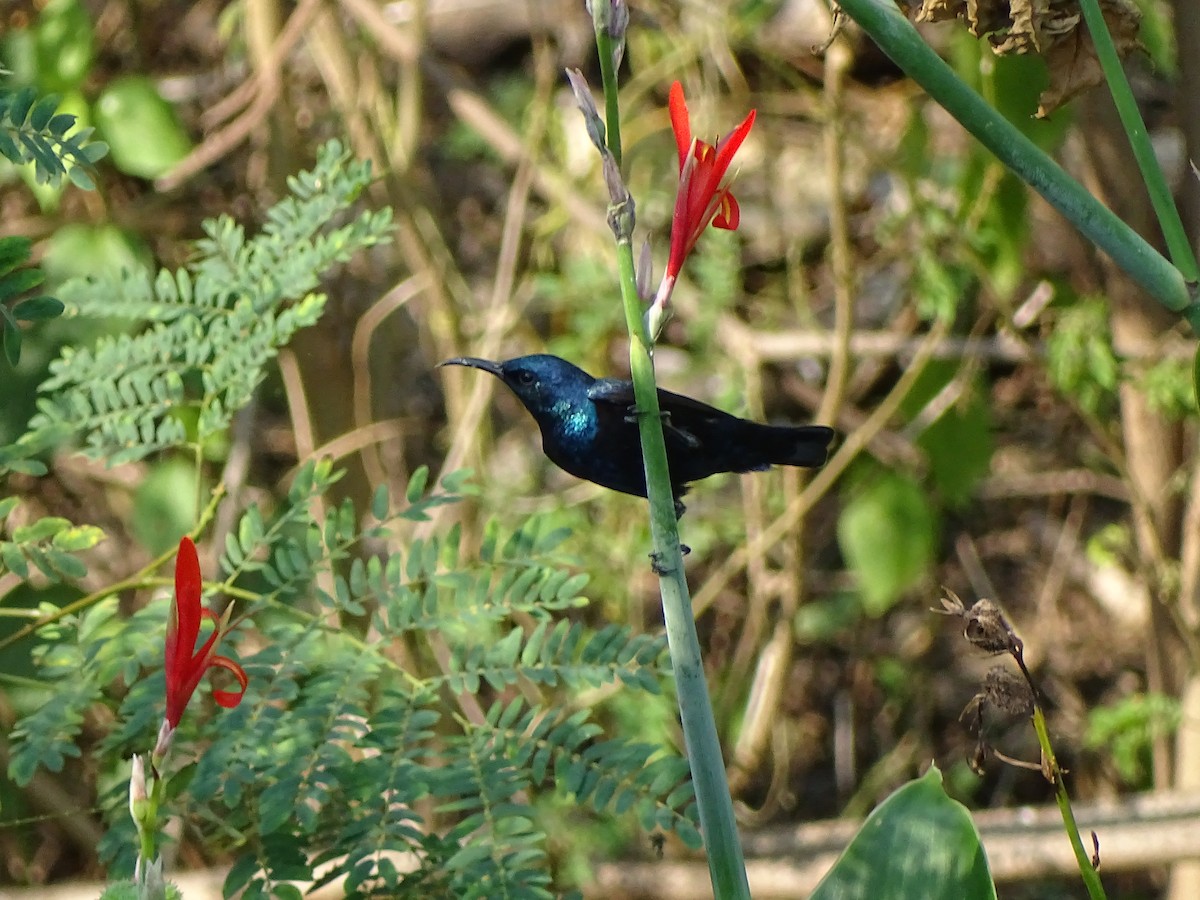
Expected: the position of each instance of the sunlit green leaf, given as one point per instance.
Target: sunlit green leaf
(888, 533)
(144, 135)
(917, 843)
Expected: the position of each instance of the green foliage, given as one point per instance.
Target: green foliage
(336, 748)
(1168, 388)
(78, 250)
(510, 96)
(888, 534)
(1080, 357)
(207, 331)
(17, 279)
(963, 223)
(1157, 36)
(917, 843)
(63, 44)
(128, 890)
(338, 757)
(1126, 731)
(142, 130)
(958, 441)
(164, 505)
(32, 130)
(45, 546)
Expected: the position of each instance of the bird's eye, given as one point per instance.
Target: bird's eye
(525, 377)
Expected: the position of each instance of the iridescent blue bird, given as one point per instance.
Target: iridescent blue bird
(589, 428)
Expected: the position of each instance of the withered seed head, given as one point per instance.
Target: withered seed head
(1007, 691)
(986, 627)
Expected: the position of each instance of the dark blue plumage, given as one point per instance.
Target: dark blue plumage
(588, 428)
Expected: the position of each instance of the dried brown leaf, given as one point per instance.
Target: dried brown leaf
(1053, 29)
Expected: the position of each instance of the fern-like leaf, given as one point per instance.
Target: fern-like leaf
(33, 131)
(223, 320)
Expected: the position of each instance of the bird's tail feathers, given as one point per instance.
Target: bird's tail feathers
(805, 445)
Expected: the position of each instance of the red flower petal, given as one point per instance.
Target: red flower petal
(679, 122)
(729, 214)
(230, 699)
(701, 198)
(184, 665)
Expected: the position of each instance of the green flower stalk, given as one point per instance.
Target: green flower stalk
(703, 198)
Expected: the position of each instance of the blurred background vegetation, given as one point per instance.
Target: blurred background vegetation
(1025, 418)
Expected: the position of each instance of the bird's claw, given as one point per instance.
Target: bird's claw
(634, 414)
(659, 567)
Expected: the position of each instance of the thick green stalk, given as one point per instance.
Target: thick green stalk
(897, 37)
(718, 827)
(1178, 245)
(726, 867)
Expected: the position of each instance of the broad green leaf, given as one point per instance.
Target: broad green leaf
(13, 252)
(12, 343)
(43, 111)
(81, 179)
(1196, 376)
(888, 534)
(64, 44)
(143, 133)
(19, 107)
(86, 251)
(164, 506)
(19, 282)
(958, 442)
(37, 308)
(917, 843)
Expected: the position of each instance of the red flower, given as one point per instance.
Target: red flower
(184, 668)
(702, 198)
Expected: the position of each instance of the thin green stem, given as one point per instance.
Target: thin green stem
(1091, 878)
(26, 684)
(199, 474)
(139, 580)
(148, 844)
(608, 74)
(897, 37)
(1178, 245)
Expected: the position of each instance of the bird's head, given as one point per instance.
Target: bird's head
(539, 381)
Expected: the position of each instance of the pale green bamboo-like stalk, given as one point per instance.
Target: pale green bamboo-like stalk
(897, 37)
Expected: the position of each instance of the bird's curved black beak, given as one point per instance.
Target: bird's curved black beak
(474, 362)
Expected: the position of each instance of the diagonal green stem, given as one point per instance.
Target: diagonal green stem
(897, 37)
(1165, 209)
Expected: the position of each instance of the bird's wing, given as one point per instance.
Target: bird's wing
(611, 390)
(681, 413)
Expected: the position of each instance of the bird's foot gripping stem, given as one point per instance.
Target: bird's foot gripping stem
(632, 414)
(658, 564)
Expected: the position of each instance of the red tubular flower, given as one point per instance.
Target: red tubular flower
(702, 198)
(185, 668)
